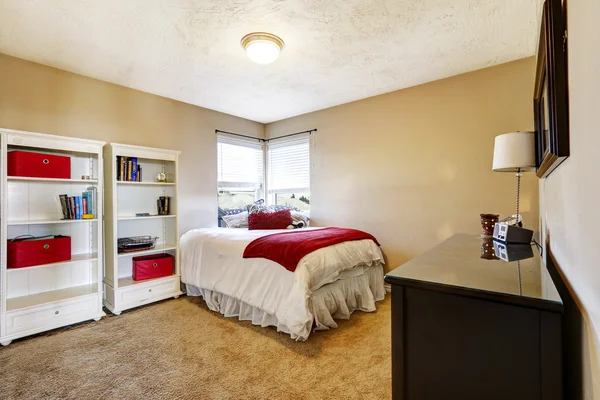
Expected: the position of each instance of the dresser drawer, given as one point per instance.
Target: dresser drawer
(148, 292)
(45, 317)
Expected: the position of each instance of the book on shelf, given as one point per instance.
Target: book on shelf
(128, 169)
(80, 207)
(162, 204)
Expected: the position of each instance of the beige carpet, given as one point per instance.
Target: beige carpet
(178, 349)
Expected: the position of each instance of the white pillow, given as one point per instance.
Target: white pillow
(239, 220)
(298, 216)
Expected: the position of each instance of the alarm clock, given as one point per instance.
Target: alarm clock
(161, 177)
(512, 234)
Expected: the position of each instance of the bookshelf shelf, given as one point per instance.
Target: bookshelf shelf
(37, 299)
(146, 183)
(76, 258)
(133, 217)
(48, 221)
(42, 297)
(124, 199)
(157, 249)
(51, 180)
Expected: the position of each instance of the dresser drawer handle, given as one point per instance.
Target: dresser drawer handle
(56, 312)
(46, 161)
(46, 246)
(149, 290)
(155, 265)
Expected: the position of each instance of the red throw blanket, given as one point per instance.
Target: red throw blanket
(288, 248)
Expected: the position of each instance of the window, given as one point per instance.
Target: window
(288, 170)
(239, 172)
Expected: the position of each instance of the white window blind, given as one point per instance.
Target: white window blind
(288, 165)
(239, 163)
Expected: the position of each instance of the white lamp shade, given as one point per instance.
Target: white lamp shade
(513, 151)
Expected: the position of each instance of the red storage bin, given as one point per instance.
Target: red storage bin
(38, 165)
(152, 266)
(36, 251)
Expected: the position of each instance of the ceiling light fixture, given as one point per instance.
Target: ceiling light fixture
(262, 47)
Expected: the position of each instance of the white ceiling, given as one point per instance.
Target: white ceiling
(336, 51)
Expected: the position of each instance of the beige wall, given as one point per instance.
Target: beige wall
(570, 196)
(37, 98)
(414, 166)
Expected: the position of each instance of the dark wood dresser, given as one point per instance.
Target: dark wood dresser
(468, 327)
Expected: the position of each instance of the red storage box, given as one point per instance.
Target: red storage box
(38, 165)
(152, 266)
(36, 251)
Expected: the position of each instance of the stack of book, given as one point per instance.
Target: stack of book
(128, 169)
(80, 207)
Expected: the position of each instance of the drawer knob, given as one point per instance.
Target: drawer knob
(56, 312)
(149, 290)
(155, 265)
(46, 161)
(46, 246)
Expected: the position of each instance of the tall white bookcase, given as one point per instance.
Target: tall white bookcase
(43, 297)
(123, 200)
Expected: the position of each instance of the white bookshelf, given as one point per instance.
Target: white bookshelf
(48, 296)
(123, 200)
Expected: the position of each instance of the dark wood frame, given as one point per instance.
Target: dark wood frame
(551, 147)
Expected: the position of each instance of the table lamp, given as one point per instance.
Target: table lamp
(514, 152)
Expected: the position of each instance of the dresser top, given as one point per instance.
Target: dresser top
(459, 263)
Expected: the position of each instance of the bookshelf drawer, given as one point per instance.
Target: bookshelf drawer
(137, 296)
(41, 318)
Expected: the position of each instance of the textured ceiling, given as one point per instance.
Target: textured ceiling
(336, 51)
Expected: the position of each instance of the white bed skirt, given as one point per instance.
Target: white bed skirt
(336, 300)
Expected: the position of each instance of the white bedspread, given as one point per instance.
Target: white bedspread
(212, 259)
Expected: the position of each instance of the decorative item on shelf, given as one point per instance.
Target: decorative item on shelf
(142, 214)
(135, 243)
(487, 249)
(487, 223)
(161, 177)
(28, 250)
(86, 177)
(551, 97)
(163, 205)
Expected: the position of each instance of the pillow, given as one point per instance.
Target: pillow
(257, 203)
(299, 219)
(239, 220)
(278, 207)
(269, 220)
(231, 211)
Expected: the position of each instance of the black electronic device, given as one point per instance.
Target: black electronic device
(512, 234)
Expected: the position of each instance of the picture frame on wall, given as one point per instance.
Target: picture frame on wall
(550, 100)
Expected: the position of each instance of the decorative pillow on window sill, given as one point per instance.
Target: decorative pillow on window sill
(258, 204)
(269, 220)
(239, 220)
(232, 211)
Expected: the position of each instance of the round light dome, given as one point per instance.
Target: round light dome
(262, 47)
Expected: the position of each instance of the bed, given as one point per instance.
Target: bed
(328, 284)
